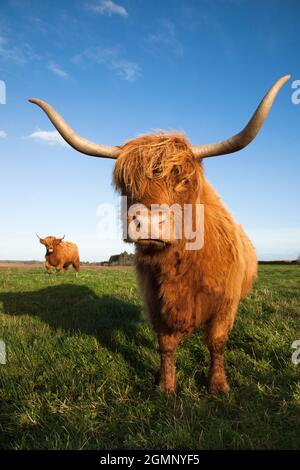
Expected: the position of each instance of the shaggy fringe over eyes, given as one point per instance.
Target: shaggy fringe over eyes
(160, 156)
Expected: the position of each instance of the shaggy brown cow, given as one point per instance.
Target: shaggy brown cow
(60, 254)
(183, 289)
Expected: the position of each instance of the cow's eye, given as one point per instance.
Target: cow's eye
(182, 185)
(176, 171)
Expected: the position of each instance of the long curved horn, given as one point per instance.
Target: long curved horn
(243, 138)
(39, 237)
(70, 136)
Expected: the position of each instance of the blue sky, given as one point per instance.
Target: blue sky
(116, 69)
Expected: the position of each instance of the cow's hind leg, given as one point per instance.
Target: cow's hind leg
(167, 346)
(216, 336)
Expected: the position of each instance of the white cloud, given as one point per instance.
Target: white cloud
(108, 7)
(166, 35)
(9, 52)
(18, 54)
(57, 70)
(112, 59)
(49, 137)
(3, 135)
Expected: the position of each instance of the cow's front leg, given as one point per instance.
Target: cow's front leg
(167, 346)
(66, 267)
(216, 336)
(59, 267)
(217, 376)
(48, 267)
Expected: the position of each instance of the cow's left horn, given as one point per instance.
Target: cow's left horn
(241, 140)
(76, 141)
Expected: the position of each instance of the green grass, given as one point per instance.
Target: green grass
(82, 360)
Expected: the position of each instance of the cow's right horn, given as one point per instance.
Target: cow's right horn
(243, 138)
(76, 141)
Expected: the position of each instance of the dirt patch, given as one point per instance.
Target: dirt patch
(19, 265)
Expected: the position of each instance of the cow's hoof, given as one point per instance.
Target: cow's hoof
(168, 389)
(218, 385)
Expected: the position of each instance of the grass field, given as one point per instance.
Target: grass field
(81, 361)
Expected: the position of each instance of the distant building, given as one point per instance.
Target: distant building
(123, 259)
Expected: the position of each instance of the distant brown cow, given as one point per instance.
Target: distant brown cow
(60, 254)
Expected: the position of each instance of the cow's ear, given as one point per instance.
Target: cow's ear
(58, 240)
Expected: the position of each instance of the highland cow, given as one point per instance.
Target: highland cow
(60, 254)
(183, 289)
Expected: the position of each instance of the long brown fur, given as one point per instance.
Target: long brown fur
(64, 254)
(185, 289)
(149, 158)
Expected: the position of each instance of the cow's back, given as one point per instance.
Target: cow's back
(70, 249)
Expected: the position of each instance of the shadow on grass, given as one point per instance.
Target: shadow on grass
(75, 308)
